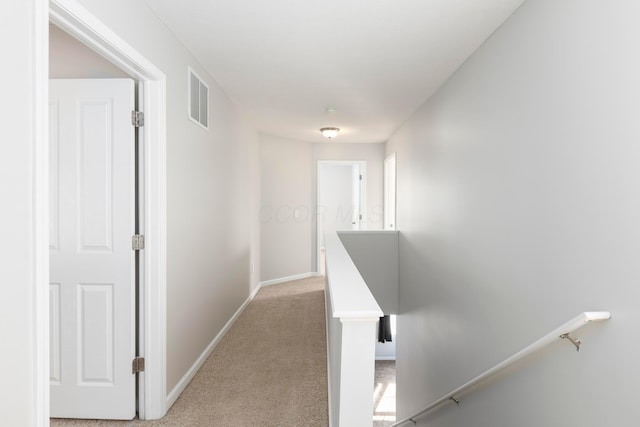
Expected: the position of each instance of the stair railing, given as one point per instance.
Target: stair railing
(562, 332)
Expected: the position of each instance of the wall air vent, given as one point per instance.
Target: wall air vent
(198, 100)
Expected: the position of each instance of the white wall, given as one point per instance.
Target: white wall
(70, 59)
(285, 187)
(518, 208)
(19, 251)
(375, 255)
(289, 181)
(212, 193)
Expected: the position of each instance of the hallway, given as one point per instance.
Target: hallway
(269, 370)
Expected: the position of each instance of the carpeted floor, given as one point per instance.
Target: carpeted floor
(269, 370)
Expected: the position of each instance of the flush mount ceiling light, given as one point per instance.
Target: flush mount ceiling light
(329, 132)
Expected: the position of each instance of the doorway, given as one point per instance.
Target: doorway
(81, 25)
(340, 200)
(94, 211)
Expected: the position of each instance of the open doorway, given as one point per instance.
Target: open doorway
(84, 27)
(340, 200)
(94, 164)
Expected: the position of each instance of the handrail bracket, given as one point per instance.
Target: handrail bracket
(574, 341)
(562, 332)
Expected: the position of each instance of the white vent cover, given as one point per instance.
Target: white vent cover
(198, 100)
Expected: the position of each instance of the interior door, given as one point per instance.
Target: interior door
(339, 200)
(338, 197)
(92, 323)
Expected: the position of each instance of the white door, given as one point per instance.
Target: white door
(92, 323)
(390, 192)
(339, 199)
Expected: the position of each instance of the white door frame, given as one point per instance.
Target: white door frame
(77, 21)
(388, 206)
(362, 164)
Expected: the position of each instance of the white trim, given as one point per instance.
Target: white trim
(77, 21)
(367, 232)
(357, 370)
(351, 298)
(385, 358)
(82, 25)
(288, 279)
(386, 181)
(39, 94)
(362, 164)
(154, 322)
(186, 379)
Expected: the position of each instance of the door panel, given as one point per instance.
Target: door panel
(95, 333)
(95, 175)
(91, 260)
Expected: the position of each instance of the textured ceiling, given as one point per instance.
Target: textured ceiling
(284, 62)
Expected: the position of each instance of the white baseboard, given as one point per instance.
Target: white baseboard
(288, 279)
(186, 379)
(386, 358)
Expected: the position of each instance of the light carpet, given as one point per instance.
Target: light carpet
(270, 369)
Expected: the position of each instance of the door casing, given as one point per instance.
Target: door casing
(390, 192)
(362, 165)
(77, 21)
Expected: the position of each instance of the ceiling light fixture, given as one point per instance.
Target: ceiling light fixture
(329, 132)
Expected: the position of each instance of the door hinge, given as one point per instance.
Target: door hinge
(137, 242)
(360, 177)
(137, 118)
(360, 217)
(137, 365)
